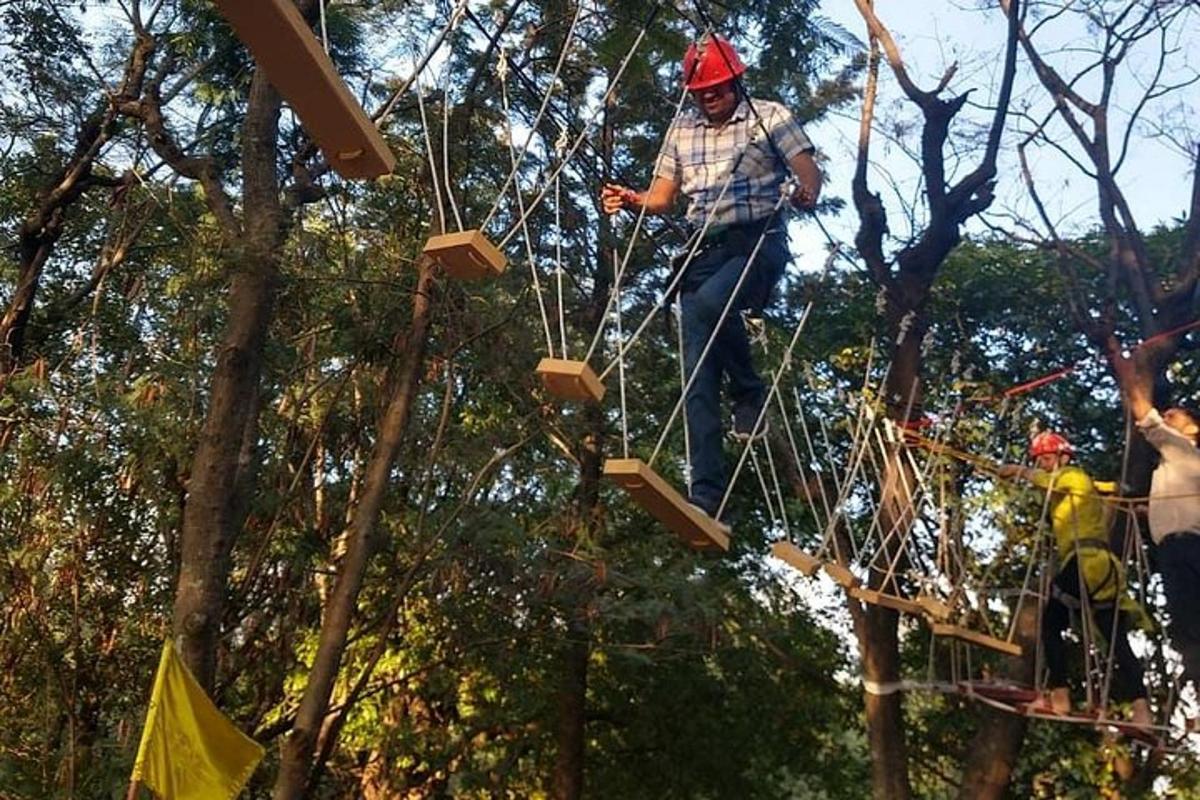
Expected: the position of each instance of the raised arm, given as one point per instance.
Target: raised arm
(1135, 387)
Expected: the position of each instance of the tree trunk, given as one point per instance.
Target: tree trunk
(572, 711)
(296, 762)
(995, 747)
(223, 465)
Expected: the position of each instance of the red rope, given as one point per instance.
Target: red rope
(1037, 383)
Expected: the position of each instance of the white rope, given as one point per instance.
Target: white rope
(787, 528)
(502, 74)
(791, 438)
(687, 436)
(581, 137)
(437, 193)
(446, 150)
(762, 482)
(533, 128)
(621, 356)
(558, 268)
(633, 237)
(324, 30)
(455, 17)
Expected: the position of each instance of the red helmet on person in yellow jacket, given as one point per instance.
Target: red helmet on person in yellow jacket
(1048, 442)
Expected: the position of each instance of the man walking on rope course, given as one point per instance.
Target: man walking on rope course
(1089, 575)
(1174, 505)
(730, 156)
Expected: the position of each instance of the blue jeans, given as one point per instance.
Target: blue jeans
(706, 288)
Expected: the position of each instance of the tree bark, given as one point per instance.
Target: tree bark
(995, 747)
(222, 469)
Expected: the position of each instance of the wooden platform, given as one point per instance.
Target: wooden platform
(902, 604)
(284, 46)
(466, 255)
(796, 558)
(666, 505)
(570, 380)
(976, 638)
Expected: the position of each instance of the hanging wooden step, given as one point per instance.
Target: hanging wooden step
(795, 557)
(570, 380)
(466, 255)
(976, 638)
(841, 575)
(666, 505)
(901, 604)
(285, 48)
(935, 609)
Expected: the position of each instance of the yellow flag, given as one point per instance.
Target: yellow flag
(189, 749)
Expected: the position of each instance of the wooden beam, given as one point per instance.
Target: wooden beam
(934, 608)
(466, 255)
(902, 604)
(284, 46)
(841, 575)
(651, 492)
(796, 558)
(570, 380)
(976, 638)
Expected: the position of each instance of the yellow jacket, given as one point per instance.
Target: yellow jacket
(1080, 526)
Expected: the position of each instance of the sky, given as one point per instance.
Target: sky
(933, 34)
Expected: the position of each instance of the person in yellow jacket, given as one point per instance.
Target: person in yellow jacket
(1086, 567)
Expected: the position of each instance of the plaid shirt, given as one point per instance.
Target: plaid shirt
(700, 155)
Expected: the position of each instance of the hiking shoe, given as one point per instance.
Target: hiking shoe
(721, 526)
(744, 417)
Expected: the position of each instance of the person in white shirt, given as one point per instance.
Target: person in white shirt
(1174, 511)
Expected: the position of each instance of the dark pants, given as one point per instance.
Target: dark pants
(705, 289)
(1179, 562)
(1127, 682)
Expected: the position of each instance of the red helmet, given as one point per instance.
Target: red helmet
(1049, 442)
(705, 65)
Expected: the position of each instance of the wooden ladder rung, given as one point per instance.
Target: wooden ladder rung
(666, 505)
(466, 255)
(841, 575)
(284, 46)
(902, 604)
(570, 380)
(795, 557)
(975, 637)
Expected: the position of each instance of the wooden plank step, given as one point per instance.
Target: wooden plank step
(570, 380)
(902, 604)
(796, 558)
(466, 255)
(841, 575)
(934, 608)
(285, 47)
(666, 505)
(976, 638)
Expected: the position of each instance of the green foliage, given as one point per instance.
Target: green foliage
(706, 678)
